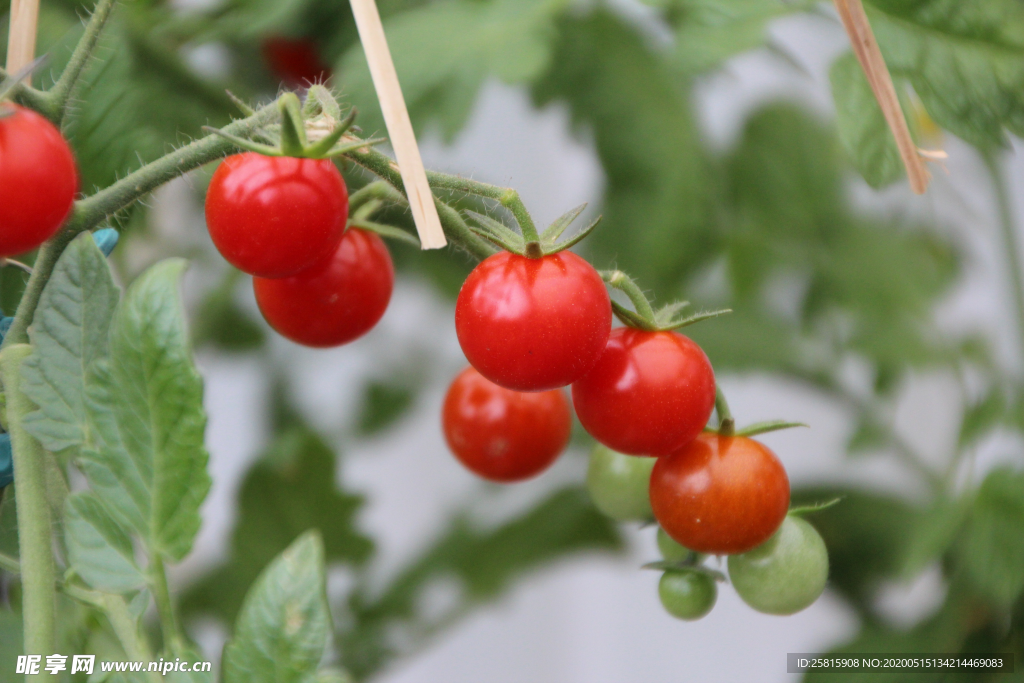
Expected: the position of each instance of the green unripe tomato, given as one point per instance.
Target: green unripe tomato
(618, 484)
(674, 552)
(786, 573)
(687, 595)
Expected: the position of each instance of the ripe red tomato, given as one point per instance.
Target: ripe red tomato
(38, 180)
(649, 394)
(720, 494)
(504, 435)
(295, 61)
(336, 300)
(533, 324)
(274, 216)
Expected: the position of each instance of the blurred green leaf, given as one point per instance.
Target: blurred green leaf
(965, 59)
(99, 547)
(992, 552)
(479, 564)
(220, 321)
(383, 404)
(863, 129)
(282, 629)
(983, 416)
(656, 200)
(69, 333)
(933, 533)
(148, 462)
(10, 645)
(444, 51)
(291, 490)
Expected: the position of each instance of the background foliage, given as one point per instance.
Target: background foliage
(775, 204)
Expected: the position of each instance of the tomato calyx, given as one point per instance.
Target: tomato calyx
(689, 567)
(644, 317)
(366, 202)
(528, 242)
(314, 129)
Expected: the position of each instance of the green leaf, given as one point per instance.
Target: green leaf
(10, 645)
(933, 533)
(148, 462)
(444, 51)
(69, 333)
(383, 404)
(290, 490)
(983, 416)
(712, 31)
(99, 547)
(480, 564)
(965, 59)
(863, 129)
(992, 552)
(621, 90)
(282, 629)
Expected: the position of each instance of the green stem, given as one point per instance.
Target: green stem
(726, 423)
(174, 641)
(508, 198)
(121, 621)
(9, 564)
(455, 228)
(93, 210)
(35, 533)
(25, 95)
(57, 97)
(1008, 230)
(626, 285)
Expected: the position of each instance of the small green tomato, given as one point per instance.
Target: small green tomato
(618, 484)
(786, 573)
(674, 552)
(687, 595)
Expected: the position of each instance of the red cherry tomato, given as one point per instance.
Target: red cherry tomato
(649, 394)
(295, 61)
(274, 216)
(504, 435)
(335, 301)
(533, 324)
(38, 180)
(720, 494)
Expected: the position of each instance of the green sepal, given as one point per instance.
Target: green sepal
(666, 566)
(814, 507)
(293, 129)
(765, 427)
(388, 231)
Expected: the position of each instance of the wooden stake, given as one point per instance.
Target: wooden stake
(396, 117)
(870, 57)
(21, 38)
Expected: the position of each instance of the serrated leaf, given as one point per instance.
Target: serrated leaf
(993, 548)
(99, 547)
(148, 462)
(444, 51)
(863, 130)
(282, 629)
(965, 59)
(69, 333)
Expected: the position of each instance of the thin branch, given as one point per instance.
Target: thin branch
(57, 97)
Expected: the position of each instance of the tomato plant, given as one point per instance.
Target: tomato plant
(275, 216)
(334, 301)
(649, 393)
(720, 494)
(38, 180)
(533, 324)
(504, 435)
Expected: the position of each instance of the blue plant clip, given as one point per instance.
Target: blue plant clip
(6, 461)
(106, 240)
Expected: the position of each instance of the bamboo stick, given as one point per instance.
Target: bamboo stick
(21, 38)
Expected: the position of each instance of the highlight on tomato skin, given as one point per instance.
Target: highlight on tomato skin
(337, 300)
(650, 393)
(533, 324)
(275, 216)
(504, 435)
(38, 180)
(720, 495)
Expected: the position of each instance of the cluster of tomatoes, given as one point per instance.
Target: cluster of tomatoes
(531, 325)
(283, 220)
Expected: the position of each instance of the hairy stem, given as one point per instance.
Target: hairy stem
(35, 535)
(56, 98)
(626, 285)
(508, 198)
(174, 641)
(726, 422)
(1011, 241)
